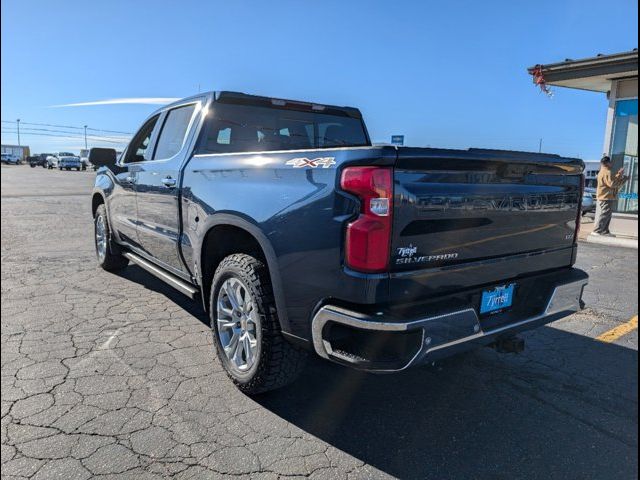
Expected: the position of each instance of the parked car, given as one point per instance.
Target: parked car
(589, 201)
(85, 163)
(39, 160)
(298, 235)
(44, 157)
(84, 158)
(53, 160)
(69, 162)
(11, 159)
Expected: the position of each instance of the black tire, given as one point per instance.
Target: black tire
(278, 362)
(112, 259)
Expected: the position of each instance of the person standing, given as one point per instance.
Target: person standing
(607, 195)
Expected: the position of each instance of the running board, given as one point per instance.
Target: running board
(170, 279)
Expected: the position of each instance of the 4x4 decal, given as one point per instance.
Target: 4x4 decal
(324, 162)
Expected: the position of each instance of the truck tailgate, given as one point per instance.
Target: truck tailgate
(481, 216)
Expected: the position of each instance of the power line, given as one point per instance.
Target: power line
(108, 131)
(29, 131)
(67, 126)
(71, 133)
(95, 139)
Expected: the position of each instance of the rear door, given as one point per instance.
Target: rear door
(158, 185)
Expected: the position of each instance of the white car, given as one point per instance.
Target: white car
(53, 161)
(11, 159)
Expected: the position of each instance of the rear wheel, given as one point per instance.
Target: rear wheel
(109, 254)
(246, 330)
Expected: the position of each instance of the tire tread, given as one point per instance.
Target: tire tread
(280, 362)
(113, 260)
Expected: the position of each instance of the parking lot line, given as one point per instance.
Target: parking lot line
(620, 331)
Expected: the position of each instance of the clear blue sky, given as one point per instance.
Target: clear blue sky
(447, 73)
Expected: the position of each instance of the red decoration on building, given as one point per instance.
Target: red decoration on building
(538, 79)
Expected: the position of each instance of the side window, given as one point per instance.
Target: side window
(140, 143)
(173, 131)
(249, 128)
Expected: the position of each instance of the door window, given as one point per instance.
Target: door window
(140, 143)
(174, 131)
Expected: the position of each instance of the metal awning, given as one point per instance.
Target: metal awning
(594, 73)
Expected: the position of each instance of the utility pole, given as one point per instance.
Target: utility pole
(540, 147)
(85, 137)
(18, 124)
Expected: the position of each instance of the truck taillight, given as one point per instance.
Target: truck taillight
(369, 236)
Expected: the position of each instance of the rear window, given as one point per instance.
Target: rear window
(246, 128)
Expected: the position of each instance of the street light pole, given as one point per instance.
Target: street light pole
(18, 124)
(85, 137)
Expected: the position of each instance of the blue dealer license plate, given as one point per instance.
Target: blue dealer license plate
(497, 299)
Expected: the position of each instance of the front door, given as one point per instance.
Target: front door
(158, 183)
(123, 208)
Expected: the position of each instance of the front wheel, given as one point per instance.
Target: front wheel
(246, 330)
(109, 254)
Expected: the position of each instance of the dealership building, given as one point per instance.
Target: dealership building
(616, 76)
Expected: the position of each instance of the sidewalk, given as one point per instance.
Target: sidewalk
(626, 232)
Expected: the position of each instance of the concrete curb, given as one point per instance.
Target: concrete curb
(624, 242)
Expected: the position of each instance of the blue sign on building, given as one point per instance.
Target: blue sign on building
(397, 139)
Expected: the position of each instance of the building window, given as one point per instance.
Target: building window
(624, 152)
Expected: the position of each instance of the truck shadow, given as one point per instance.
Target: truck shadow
(134, 273)
(565, 408)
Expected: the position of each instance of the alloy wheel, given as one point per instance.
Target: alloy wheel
(101, 238)
(238, 324)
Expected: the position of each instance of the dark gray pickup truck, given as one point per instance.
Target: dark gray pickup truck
(298, 235)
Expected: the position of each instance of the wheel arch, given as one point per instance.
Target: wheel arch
(225, 234)
(97, 199)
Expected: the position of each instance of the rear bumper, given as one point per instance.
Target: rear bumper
(436, 336)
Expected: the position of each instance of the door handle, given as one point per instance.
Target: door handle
(130, 179)
(169, 182)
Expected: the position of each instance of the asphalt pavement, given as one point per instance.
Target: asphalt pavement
(115, 376)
